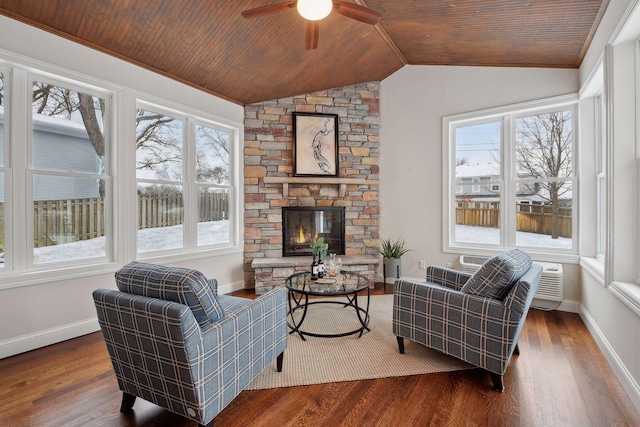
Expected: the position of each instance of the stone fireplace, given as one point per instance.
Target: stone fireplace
(270, 189)
(300, 225)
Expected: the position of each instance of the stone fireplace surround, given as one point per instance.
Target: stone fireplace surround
(270, 185)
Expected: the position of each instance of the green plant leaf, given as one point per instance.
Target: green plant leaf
(393, 248)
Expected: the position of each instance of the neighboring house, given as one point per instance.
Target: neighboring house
(477, 182)
(60, 145)
(472, 181)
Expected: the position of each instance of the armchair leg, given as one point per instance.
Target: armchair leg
(498, 384)
(401, 344)
(127, 402)
(279, 361)
(516, 350)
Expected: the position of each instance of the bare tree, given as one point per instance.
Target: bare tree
(1, 89)
(159, 139)
(50, 100)
(544, 150)
(212, 143)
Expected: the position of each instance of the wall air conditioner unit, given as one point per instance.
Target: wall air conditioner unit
(550, 291)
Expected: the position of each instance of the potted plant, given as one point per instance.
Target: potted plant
(392, 251)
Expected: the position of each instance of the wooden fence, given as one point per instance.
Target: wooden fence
(529, 218)
(62, 221)
(167, 209)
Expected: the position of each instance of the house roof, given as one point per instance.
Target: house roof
(478, 170)
(208, 45)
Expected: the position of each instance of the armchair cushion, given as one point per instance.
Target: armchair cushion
(183, 285)
(498, 274)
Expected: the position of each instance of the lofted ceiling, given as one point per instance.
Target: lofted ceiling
(207, 44)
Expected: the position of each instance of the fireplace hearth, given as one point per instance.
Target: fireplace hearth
(303, 224)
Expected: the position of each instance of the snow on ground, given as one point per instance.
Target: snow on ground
(213, 232)
(491, 236)
(150, 239)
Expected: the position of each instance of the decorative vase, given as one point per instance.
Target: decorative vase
(391, 267)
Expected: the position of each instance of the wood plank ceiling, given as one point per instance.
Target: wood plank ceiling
(207, 44)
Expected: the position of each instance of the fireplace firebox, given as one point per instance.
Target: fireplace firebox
(303, 224)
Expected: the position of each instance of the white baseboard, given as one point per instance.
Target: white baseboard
(570, 306)
(47, 337)
(622, 373)
(230, 287)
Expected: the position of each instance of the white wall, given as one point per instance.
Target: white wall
(611, 301)
(44, 313)
(413, 102)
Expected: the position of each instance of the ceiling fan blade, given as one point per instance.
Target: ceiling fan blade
(267, 10)
(311, 37)
(357, 12)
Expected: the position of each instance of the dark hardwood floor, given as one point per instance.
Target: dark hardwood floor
(560, 378)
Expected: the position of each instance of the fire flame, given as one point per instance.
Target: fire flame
(301, 238)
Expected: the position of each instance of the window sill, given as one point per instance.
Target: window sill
(628, 294)
(43, 274)
(540, 256)
(595, 268)
(37, 277)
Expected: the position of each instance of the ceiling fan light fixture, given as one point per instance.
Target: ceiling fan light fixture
(314, 10)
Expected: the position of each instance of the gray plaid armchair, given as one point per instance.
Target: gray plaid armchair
(476, 318)
(175, 343)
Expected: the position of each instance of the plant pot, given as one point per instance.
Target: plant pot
(391, 267)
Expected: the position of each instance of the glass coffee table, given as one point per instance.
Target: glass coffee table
(344, 284)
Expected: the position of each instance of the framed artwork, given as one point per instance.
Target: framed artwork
(315, 144)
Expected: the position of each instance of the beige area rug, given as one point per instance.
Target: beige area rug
(374, 355)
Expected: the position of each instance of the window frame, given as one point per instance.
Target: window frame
(120, 165)
(192, 118)
(20, 268)
(107, 175)
(507, 116)
(600, 169)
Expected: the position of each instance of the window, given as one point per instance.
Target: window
(475, 187)
(58, 214)
(183, 170)
(55, 199)
(70, 187)
(523, 156)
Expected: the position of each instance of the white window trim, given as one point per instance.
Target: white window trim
(121, 168)
(627, 30)
(19, 266)
(190, 117)
(508, 234)
(637, 54)
(107, 176)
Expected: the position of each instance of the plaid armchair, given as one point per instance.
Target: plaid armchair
(175, 343)
(476, 318)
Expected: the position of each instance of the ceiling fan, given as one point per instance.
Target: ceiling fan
(315, 10)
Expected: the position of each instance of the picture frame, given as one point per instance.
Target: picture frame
(315, 144)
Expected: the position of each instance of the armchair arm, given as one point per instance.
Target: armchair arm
(448, 277)
(213, 283)
(240, 345)
(521, 295)
(151, 343)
